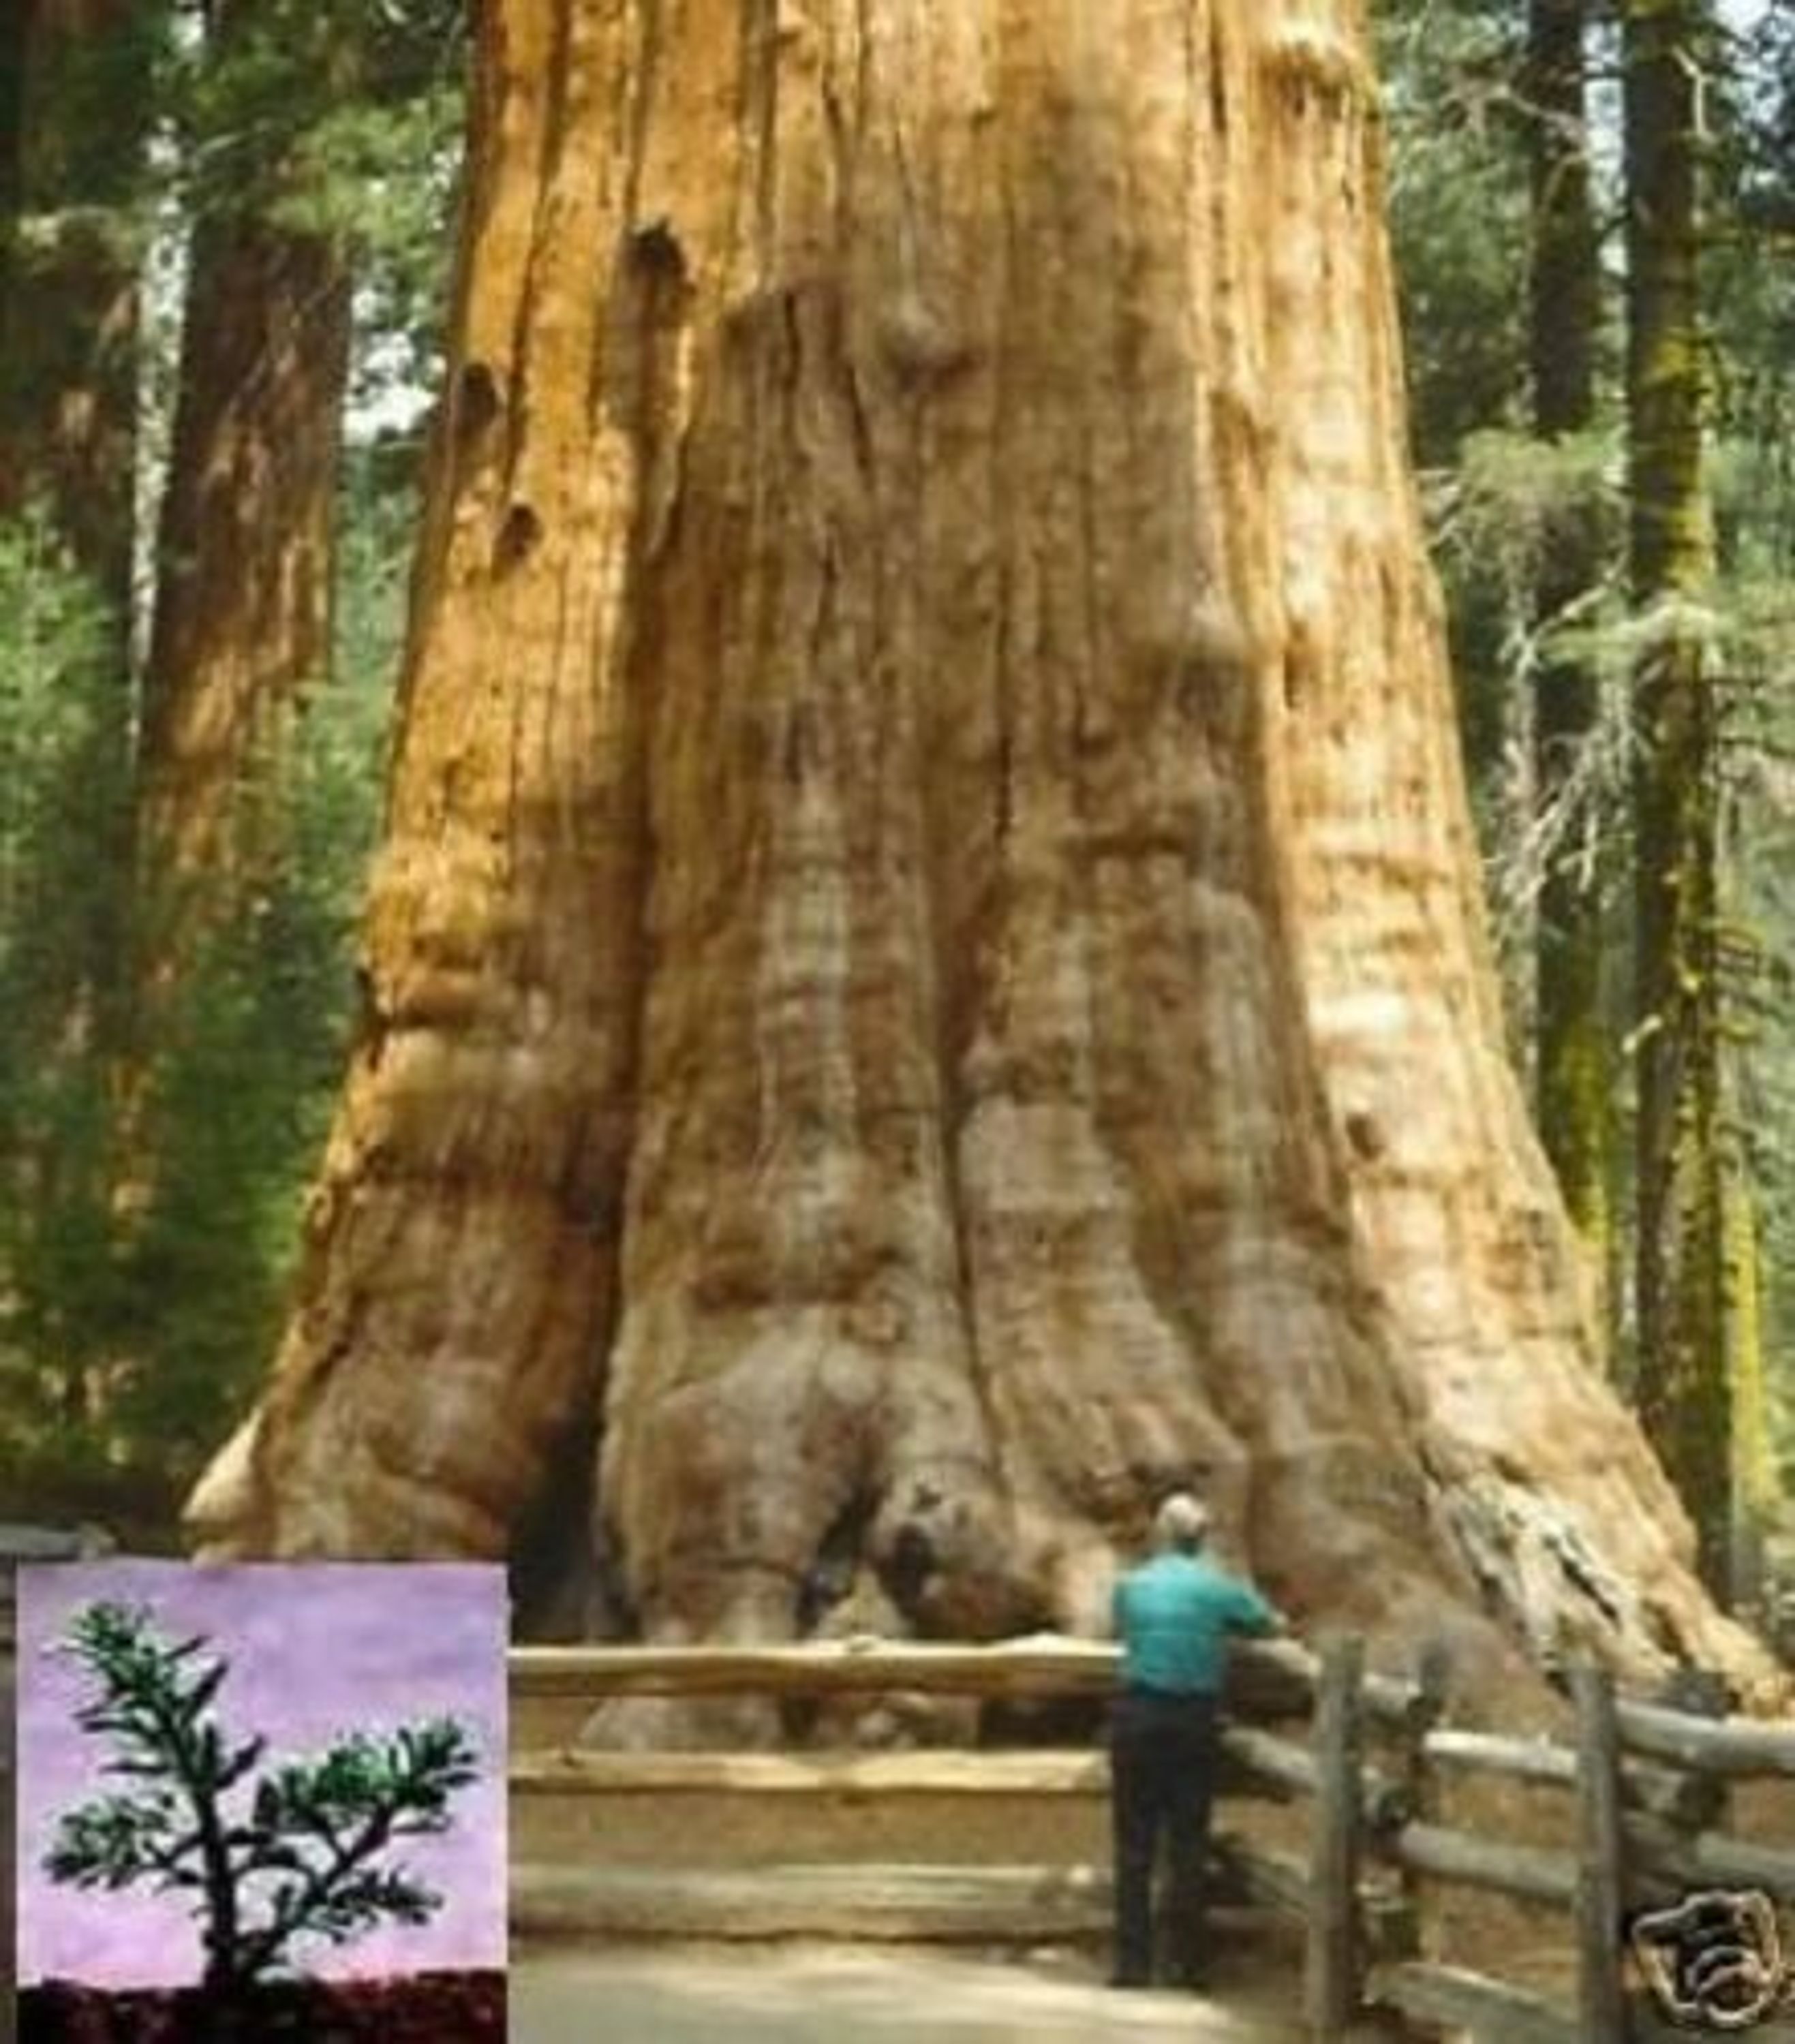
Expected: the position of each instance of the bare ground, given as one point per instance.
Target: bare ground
(804, 1994)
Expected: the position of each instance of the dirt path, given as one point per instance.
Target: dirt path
(808, 1995)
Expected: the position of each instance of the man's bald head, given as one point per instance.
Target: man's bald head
(1181, 1523)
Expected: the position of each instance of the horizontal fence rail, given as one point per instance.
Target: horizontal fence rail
(1730, 1747)
(1041, 1665)
(1650, 1785)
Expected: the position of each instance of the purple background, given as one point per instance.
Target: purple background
(315, 1650)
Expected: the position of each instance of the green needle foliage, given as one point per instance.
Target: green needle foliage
(303, 1861)
(126, 1326)
(1508, 501)
(152, 1168)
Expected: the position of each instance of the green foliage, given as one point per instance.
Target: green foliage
(313, 1830)
(1496, 517)
(129, 1326)
(79, 97)
(248, 96)
(1459, 216)
(260, 1027)
(340, 120)
(55, 720)
(150, 1190)
(1458, 206)
(380, 175)
(1508, 504)
(64, 811)
(1500, 504)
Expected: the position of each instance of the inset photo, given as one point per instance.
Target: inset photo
(261, 1801)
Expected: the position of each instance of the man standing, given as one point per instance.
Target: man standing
(1173, 1616)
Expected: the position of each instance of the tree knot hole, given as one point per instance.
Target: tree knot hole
(476, 404)
(519, 537)
(1366, 1133)
(655, 252)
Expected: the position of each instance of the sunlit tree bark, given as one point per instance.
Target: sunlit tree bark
(927, 977)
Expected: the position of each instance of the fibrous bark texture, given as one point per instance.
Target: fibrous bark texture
(926, 978)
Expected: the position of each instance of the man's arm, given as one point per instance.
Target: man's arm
(1252, 1615)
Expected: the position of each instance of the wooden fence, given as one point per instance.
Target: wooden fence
(1651, 1788)
(1650, 1784)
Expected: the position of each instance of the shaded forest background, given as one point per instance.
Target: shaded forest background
(226, 243)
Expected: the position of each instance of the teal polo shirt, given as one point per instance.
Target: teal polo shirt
(1174, 1614)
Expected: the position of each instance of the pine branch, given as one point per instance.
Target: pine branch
(319, 1824)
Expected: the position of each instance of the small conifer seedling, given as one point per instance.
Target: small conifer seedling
(303, 1859)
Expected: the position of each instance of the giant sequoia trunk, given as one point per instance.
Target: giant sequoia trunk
(927, 977)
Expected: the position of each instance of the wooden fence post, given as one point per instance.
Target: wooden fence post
(1601, 2002)
(1706, 1799)
(1403, 1932)
(1331, 1971)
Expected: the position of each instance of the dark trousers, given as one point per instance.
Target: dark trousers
(1161, 1772)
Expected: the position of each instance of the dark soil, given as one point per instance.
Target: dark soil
(443, 2007)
